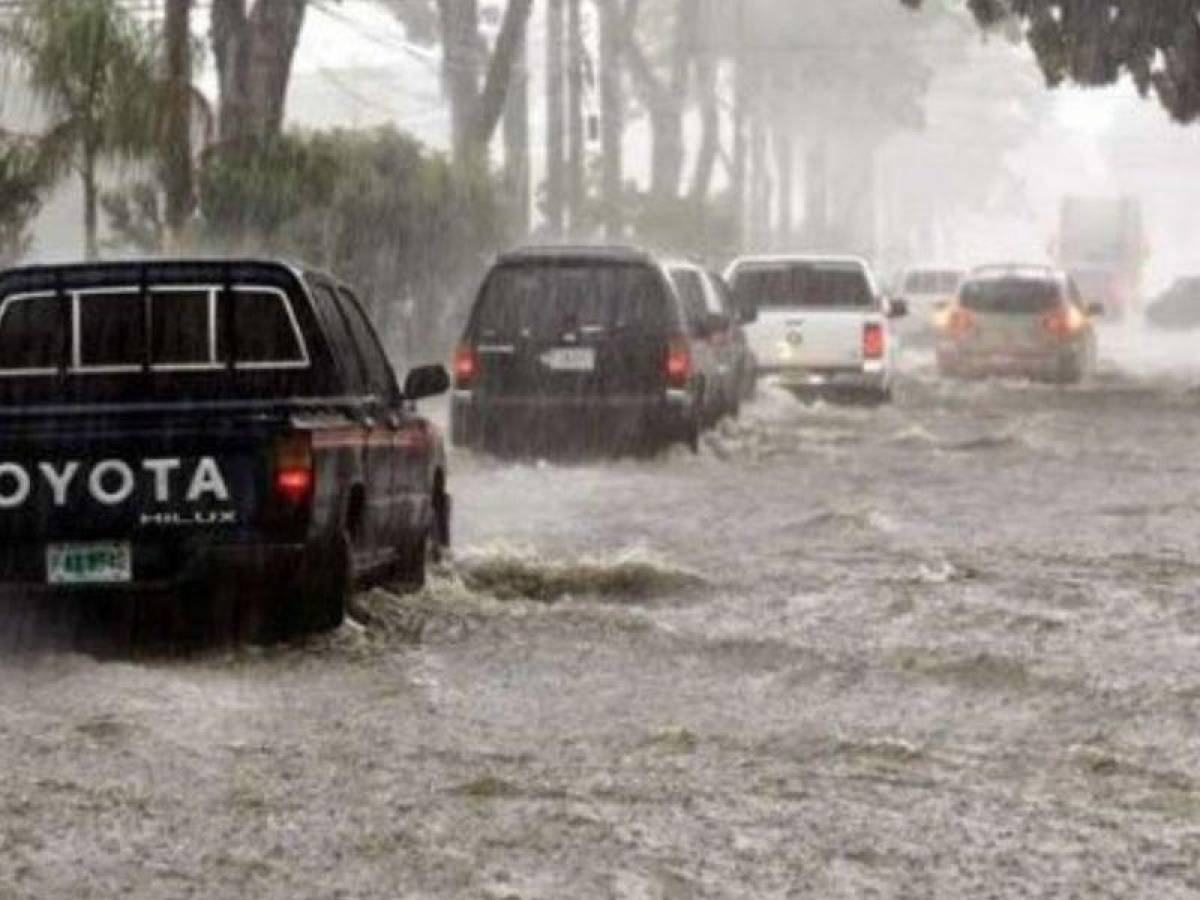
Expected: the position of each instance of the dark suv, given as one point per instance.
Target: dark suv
(573, 347)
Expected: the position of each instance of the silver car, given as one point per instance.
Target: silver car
(1025, 321)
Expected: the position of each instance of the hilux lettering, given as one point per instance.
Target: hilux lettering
(111, 482)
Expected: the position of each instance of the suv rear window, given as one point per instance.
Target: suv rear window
(1010, 296)
(536, 301)
(931, 282)
(804, 285)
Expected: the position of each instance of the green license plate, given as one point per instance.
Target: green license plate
(96, 562)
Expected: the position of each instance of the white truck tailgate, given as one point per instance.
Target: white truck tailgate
(809, 338)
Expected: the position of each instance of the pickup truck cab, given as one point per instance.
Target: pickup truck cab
(175, 427)
(823, 327)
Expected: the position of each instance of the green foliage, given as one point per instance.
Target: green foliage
(374, 207)
(91, 65)
(21, 184)
(1154, 41)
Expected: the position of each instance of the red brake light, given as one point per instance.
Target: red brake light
(1063, 323)
(466, 366)
(873, 341)
(956, 321)
(294, 469)
(678, 363)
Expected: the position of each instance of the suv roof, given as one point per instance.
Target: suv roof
(588, 252)
(801, 257)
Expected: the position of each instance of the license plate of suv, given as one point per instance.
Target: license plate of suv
(93, 562)
(570, 359)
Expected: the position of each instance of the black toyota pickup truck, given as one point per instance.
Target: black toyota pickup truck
(212, 432)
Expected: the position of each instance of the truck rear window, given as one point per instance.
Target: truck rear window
(1010, 296)
(549, 301)
(33, 334)
(178, 328)
(804, 286)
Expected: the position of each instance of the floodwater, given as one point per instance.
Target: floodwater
(949, 648)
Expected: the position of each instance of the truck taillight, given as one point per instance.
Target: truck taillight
(678, 364)
(294, 477)
(466, 366)
(872, 341)
(413, 438)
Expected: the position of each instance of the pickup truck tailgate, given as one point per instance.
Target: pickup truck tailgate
(809, 339)
(67, 478)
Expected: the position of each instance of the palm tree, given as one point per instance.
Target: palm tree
(92, 66)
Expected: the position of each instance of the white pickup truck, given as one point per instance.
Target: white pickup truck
(823, 326)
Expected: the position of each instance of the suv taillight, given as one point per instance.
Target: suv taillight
(678, 363)
(466, 366)
(872, 341)
(294, 478)
(1064, 322)
(955, 321)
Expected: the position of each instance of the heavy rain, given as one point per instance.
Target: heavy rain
(599, 448)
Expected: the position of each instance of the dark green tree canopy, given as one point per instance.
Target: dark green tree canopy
(1095, 42)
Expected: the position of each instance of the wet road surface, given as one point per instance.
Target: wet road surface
(943, 649)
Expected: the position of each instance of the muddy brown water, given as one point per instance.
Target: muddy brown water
(944, 649)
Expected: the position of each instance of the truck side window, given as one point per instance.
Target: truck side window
(380, 378)
(264, 328)
(341, 344)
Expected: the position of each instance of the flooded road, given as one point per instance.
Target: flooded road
(947, 648)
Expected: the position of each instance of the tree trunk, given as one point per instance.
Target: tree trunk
(254, 52)
(91, 228)
(664, 103)
(461, 67)
(785, 166)
(516, 144)
(612, 119)
(575, 145)
(476, 111)
(710, 125)
(177, 145)
(760, 183)
(740, 98)
(816, 192)
(555, 158)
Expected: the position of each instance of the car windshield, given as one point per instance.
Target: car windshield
(1010, 296)
(548, 301)
(803, 285)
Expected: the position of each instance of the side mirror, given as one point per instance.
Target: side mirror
(897, 308)
(426, 381)
(747, 310)
(1095, 310)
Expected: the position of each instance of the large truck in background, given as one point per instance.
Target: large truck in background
(1101, 242)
